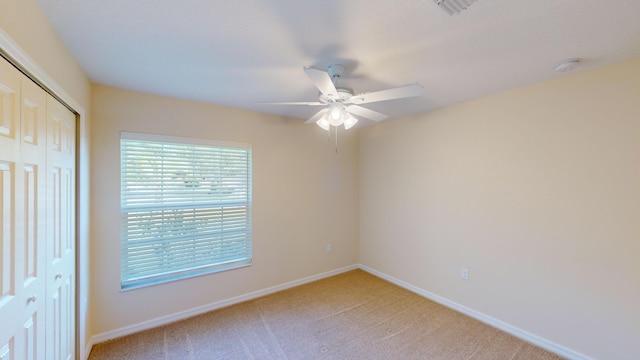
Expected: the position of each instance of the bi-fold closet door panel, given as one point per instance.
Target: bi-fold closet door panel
(60, 249)
(23, 212)
(37, 276)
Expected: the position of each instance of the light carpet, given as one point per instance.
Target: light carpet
(354, 315)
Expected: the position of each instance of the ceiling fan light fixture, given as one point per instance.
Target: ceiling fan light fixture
(323, 123)
(350, 122)
(335, 111)
(336, 114)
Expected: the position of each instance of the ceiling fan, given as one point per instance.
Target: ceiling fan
(339, 101)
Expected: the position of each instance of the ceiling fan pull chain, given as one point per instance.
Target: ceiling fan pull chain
(336, 139)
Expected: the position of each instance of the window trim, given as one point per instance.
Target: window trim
(184, 274)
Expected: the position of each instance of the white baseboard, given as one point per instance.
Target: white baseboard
(87, 350)
(149, 324)
(163, 320)
(510, 329)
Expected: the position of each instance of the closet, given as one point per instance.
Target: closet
(37, 221)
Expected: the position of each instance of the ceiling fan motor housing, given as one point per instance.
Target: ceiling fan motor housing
(344, 94)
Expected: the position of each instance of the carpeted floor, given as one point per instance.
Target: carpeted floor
(349, 316)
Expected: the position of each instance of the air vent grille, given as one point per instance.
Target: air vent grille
(454, 7)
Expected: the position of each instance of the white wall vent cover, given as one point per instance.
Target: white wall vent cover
(454, 7)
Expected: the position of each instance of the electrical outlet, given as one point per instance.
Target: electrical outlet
(464, 273)
(329, 248)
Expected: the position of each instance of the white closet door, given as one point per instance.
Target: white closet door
(12, 299)
(60, 231)
(37, 222)
(33, 172)
(22, 203)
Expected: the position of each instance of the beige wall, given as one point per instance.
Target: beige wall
(536, 191)
(25, 25)
(304, 196)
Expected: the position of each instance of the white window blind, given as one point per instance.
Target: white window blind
(185, 207)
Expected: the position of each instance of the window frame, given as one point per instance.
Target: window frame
(126, 211)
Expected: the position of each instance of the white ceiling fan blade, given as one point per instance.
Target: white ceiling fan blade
(389, 94)
(366, 113)
(323, 82)
(316, 117)
(312, 103)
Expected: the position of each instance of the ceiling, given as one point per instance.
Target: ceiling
(238, 53)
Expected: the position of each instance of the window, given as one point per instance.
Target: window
(185, 208)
